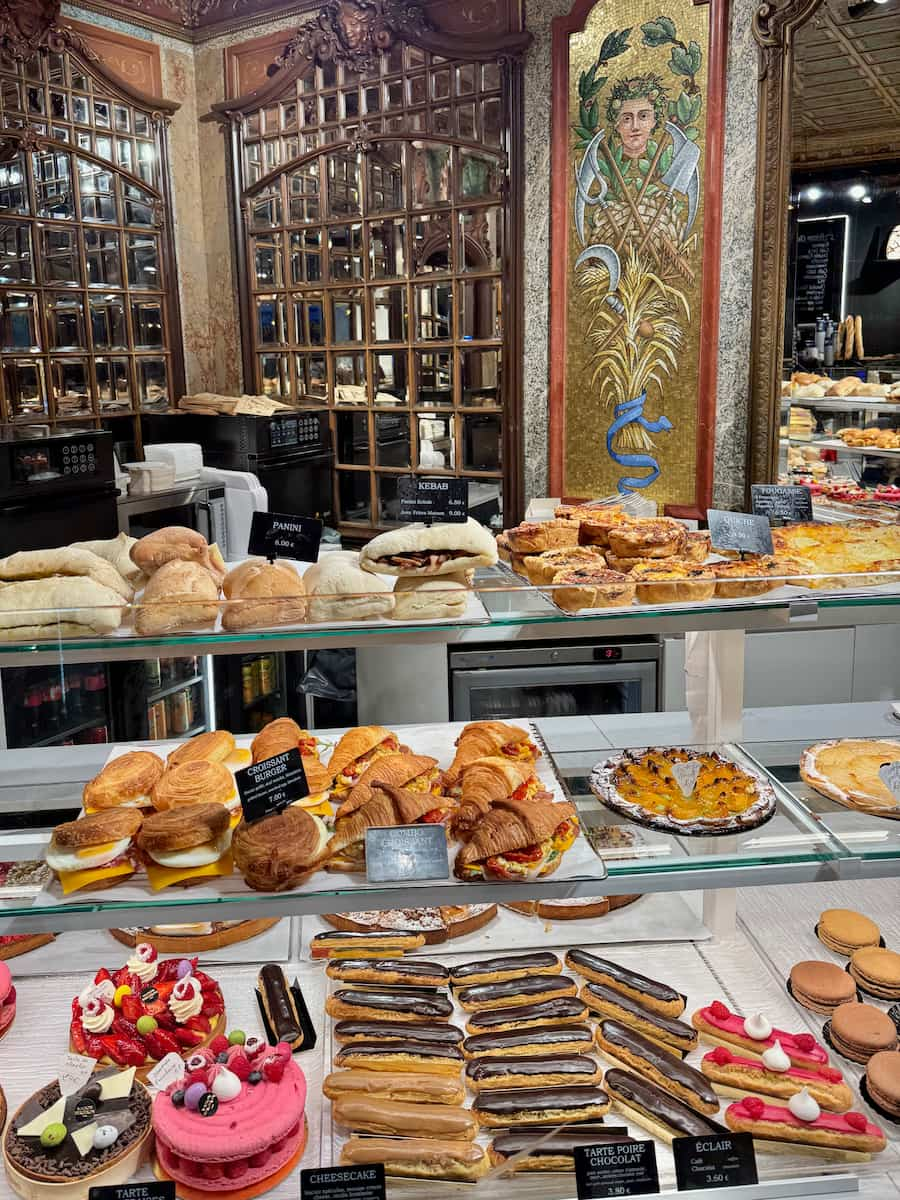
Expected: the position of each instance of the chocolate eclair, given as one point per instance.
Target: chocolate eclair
(658, 997)
(438, 1033)
(409, 971)
(552, 1151)
(408, 1055)
(608, 1003)
(279, 1006)
(411, 1005)
(543, 1070)
(532, 990)
(567, 1010)
(539, 1106)
(544, 1039)
(509, 966)
(623, 1046)
(655, 1110)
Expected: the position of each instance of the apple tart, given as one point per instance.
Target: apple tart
(846, 770)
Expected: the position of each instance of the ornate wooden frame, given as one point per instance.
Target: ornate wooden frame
(563, 27)
(324, 37)
(774, 25)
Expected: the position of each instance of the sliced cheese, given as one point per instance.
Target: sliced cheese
(73, 881)
(163, 877)
(239, 758)
(117, 1087)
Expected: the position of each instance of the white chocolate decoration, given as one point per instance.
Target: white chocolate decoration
(50, 1116)
(776, 1059)
(117, 1087)
(84, 1138)
(757, 1027)
(804, 1107)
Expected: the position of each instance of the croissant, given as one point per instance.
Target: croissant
(484, 783)
(482, 739)
(354, 744)
(519, 823)
(395, 769)
(280, 735)
(279, 851)
(194, 782)
(388, 806)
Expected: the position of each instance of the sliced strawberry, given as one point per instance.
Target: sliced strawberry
(188, 1037)
(102, 976)
(213, 1004)
(78, 1038)
(132, 1008)
(160, 1043)
(165, 1018)
(273, 1069)
(129, 1053)
(125, 1029)
(200, 1025)
(239, 1064)
(121, 976)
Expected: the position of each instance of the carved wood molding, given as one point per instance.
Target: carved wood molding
(25, 24)
(775, 24)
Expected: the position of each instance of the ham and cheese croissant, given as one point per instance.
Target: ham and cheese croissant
(389, 806)
(415, 772)
(519, 839)
(356, 751)
(483, 739)
(489, 781)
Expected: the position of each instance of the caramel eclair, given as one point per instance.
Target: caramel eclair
(438, 1033)
(658, 997)
(510, 966)
(655, 1110)
(544, 1070)
(543, 1151)
(278, 1003)
(539, 1106)
(409, 971)
(409, 1056)
(397, 1118)
(625, 1047)
(513, 992)
(607, 1003)
(545, 1039)
(419, 1087)
(418, 1158)
(567, 1010)
(362, 942)
(377, 1006)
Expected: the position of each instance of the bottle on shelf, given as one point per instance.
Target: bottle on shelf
(95, 692)
(32, 729)
(152, 672)
(74, 695)
(51, 705)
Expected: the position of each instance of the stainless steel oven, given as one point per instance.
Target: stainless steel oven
(560, 680)
(199, 506)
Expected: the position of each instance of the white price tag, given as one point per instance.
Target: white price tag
(166, 1072)
(74, 1072)
(890, 777)
(686, 776)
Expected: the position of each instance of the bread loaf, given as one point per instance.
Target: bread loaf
(179, 595)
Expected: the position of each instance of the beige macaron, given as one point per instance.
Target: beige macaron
(843, 931)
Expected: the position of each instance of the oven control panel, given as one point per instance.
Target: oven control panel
(301, 431)
(43, 462)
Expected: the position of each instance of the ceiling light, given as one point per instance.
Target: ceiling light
(856, 192)
(867, 199)
(813, 194)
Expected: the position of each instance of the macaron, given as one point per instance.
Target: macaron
(843, 931)
(883, 1080)
(877, 971)
(821, 986)
(7, 999)
(860, 1030)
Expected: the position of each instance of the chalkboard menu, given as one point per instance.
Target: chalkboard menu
(819, 281)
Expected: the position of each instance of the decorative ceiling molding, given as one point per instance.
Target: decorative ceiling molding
(354, 32)
(25, 25)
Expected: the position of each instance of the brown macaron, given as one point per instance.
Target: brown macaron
(843, 931)
(110, 825)
(877, 971)
(860, 1030)
(821, 986)
(183, 828)
(883, 1081)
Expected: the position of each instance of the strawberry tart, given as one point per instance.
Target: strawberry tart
(7, 999)
(150, 1007)
(234, 1125)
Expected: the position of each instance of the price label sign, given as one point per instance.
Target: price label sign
(280, 535)
(430, 500)
(889, 773)
(403, 852)
(343, 1183)
(739, 531)
(781, 502)
(73, 1073)
(616, 1169)
(135, 1191)
(686, 775)
(269, 787)
(714, 1161)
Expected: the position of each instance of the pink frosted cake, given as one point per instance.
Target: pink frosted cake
(234, 1123)
(7, 999)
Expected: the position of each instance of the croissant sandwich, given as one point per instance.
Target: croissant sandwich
(489, 781)
(389, 806)
(280, 851)
(414, 772)
(280, 735)
(483, 739)
(356, 751)
(522, 839)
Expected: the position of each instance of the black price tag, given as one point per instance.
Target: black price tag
(343, 1183)
(714, 1161)
(616, 1169)
(403, 852)
(781, 502)
(270, 786)
(280, 535)
(739, 531)
(134, 1191)
(429, 500)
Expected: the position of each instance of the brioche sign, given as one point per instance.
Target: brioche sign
(435, 499)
